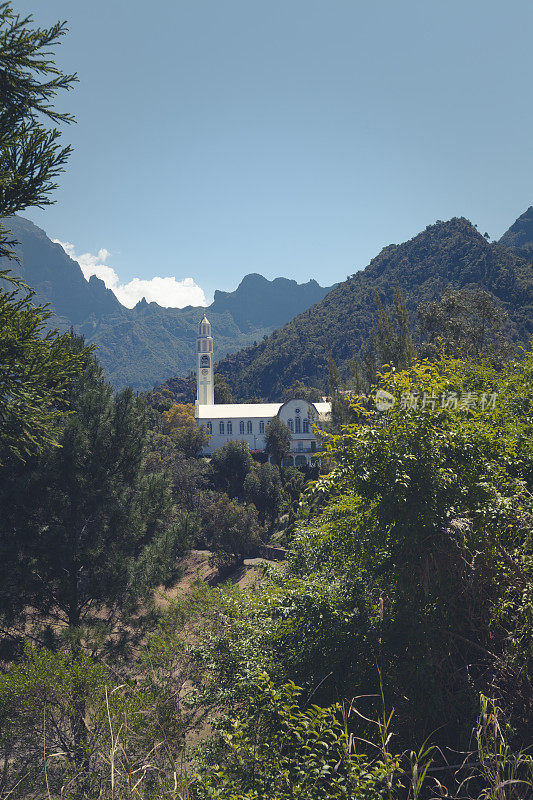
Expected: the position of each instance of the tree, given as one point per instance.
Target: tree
(466, 322)
(35, 370)
(340, 395)
(231, 464)
(31, 157)
(180, 422)
(278, 440)
(232, 529)
(391, 335)
(188, 475)
(262, 487)
(179, 415)
(35, 367)
(302, 392)
(223, 392)
(86, 533)
(191, 441)
(293, 486)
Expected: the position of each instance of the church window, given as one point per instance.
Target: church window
(306, 425)
(221, 427)
(210, 427)
(300, 446)
(249, 426)
(241, 426)
(297, 425)
(291, 426)
(230, 427)
(261, 427)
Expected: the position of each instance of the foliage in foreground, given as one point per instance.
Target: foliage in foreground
(414, 555)
(31, 157)
(87, 531)
(422, 535)
(273, 747)
(36, 367)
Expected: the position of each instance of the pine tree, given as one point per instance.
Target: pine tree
(391, 336)
(35, 370)
(86, 532)
(31, 157)
(34, 366)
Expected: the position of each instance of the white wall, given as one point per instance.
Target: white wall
(290, 410)
(255, 440)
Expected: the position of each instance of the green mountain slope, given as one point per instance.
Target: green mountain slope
(519, 237)
(446, 255)
(145, 345)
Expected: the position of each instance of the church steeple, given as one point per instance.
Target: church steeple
(204, 366)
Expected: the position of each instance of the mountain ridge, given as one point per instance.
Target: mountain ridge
(519, 236)
(145, 345)
(446, 255)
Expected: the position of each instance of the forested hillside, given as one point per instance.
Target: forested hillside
(519, 237)
(147, 344)
(447, 255)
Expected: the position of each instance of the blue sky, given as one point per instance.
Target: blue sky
(287, 137)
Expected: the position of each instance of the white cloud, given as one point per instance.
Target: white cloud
(167, 292)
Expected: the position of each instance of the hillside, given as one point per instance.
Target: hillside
(147, 344)
(449, 254)
(519, 237)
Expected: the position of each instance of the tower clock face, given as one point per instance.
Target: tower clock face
(205, 372)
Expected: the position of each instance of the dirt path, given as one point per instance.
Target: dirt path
(196, 567)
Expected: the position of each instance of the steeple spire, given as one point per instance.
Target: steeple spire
(204, 367)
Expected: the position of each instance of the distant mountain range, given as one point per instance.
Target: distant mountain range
(446, 255)
(145, 345)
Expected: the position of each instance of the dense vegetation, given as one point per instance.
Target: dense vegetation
(446, 256)
(408, 586)
(519, 237)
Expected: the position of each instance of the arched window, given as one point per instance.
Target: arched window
(261, 427)
(221, 427)
(291, 426)
(306, 425)
(230, 427)
(249, 426)
(210, 427)
(297, 425)
(241, 426)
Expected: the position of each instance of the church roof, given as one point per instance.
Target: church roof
(238, 410)
(248, 410)
(323, 408)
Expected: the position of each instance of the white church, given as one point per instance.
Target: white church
(246, 422)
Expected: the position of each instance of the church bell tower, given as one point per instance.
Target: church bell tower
(204, 366)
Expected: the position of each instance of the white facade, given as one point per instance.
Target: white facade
(247, 421)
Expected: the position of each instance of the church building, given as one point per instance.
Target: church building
(246, 422)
